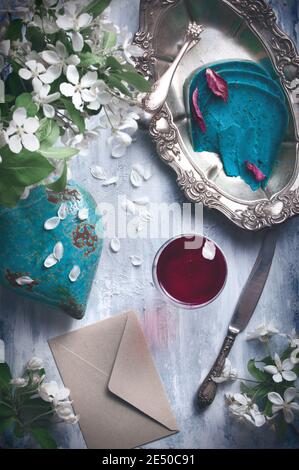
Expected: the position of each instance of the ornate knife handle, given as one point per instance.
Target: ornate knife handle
(207, 390)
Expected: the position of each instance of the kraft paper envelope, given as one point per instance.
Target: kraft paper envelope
(114, 384)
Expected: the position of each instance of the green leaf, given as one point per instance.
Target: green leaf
(250, 391)
(268, 408)
(255, 372)
(48, 132)
(96, 7)
(58, 153)
(14, 30)
(36, 37)
(43, 438)
(74, 114)
(87, 59)
(5, 376)
(59, 185)
(109, 40)
(19, 171)
(135, 79)
(113, 81)
(5, 411)
(25, 101)
(113, 63)
(18, 431)
(14, 84)
(5, 424)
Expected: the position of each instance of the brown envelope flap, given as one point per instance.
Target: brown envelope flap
(134, 377)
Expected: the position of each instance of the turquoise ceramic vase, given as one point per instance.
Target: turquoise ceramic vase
(77, 241)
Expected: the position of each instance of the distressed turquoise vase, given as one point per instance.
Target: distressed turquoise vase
(25, 244)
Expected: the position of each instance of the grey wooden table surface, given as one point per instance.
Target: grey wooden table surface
(183, 343)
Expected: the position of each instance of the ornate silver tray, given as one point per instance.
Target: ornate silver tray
(234, 29)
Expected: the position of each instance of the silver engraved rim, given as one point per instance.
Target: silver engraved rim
(248, 215)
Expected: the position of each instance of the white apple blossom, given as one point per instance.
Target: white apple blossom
(119, 142)
(42, 98)
(65, 411)
(101, 94)
(20, 132)
(52, 393)
(241, 406)
(79, 90)
(228, 373)
(293, 339)
(285, 404)
(19, 382)
(262, 332)
(130, 50)
(36, 72)
(282, 370)
(295, 356)
(74, 22)
(46, 24)
(35, 363)
(58, 56)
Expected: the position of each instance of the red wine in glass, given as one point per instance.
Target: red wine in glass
(187, 274)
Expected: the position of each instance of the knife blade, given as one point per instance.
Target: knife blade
(255, 284)
(244, 310)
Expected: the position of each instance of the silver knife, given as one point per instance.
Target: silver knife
(243, 312)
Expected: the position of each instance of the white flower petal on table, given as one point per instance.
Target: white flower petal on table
(62, 211)
(67, 89)
(25, 74)
(136, 260)
(142, 201)
(19, 116)
(30, 142)
(58, 251)
(147, 173)
(31, 125)
(129, 206)
(135, 178)
(77, 41)
(89, 79)
(52, 223)
(209, 250)
(83, 213)
(75, 273)
(111, 181)
(72, 74)
(115, 245)
(98, 172)
(15, 144)
(50, 261)
(24, 281)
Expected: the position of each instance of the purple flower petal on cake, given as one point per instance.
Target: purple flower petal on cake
(197, 112)
(217, 84)
(257, 173)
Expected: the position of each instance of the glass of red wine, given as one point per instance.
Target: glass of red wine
(190, 270)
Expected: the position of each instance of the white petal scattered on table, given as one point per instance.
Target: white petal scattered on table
(135, 178)
(146, 215)
(98, 172)
(50, 261)
(147, 173)
(83, 213)
(58, 251)
(74, 274)
(110, 181)
(142, 201)
(24, 281)
(129, 206)
(62, 211)
(52, 223)
(209, 250)
(136, 260)
(115, 245)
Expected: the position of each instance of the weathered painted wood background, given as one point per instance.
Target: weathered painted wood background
(183, 343)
